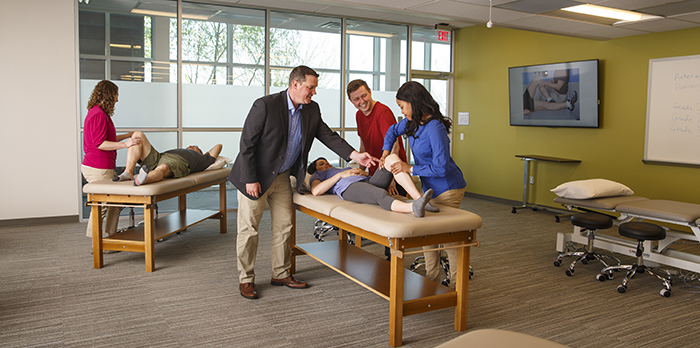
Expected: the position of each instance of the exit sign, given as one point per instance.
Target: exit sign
(443, 35)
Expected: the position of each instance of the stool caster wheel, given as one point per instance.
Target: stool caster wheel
(665, 293)
(557, 263)
(513, 210)
(569, 272)
(604, 276)
(622, 288)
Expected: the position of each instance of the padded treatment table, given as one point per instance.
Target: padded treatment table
(493, 338)
(639, 209)
(142, 238)
(408, 293)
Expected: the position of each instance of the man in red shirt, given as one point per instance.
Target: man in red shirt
(373, 120)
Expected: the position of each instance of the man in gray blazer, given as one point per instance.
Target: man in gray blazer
(275, 143)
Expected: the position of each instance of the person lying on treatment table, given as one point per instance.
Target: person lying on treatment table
(155, 166)
(355, 185)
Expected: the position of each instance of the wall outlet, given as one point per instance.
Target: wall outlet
(532, 180)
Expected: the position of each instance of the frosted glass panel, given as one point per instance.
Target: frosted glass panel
(217, 106)
(329, 102)
(353, 139)
(206, 140)
(161, 141)
(141, 105)
(320, 150)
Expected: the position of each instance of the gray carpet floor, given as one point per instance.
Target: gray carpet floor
(50, 295)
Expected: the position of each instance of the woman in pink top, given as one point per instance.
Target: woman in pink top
(100, 143)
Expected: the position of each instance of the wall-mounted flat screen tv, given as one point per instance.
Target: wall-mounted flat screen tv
(554, 95)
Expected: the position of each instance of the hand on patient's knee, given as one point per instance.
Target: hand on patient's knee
(390, 160)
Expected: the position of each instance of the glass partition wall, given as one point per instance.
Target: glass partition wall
(188, 72)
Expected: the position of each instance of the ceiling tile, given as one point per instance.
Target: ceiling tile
(396, 4)
(467, 12)
(693, 17)
(538, 6)
(632, 4)
(357, 12)
(675, 8)
(551, 25)
(660, 25)
(290, 5)
(612, 32)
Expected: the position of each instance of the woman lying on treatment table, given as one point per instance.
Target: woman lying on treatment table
(355, 185)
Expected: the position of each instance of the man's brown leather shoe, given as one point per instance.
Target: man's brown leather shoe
(248, 291)
(289, 282)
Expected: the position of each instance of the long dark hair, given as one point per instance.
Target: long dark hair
(422, 103)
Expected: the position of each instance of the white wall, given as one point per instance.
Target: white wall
(38, 110)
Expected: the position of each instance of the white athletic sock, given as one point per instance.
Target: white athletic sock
(124, 176)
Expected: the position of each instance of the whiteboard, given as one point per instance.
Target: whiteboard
(673, 110)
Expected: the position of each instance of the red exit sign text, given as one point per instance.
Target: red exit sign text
(443, 35)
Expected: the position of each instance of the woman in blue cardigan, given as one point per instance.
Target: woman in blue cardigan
(427, 131)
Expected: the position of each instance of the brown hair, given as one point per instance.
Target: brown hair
(355, 85)
(311, 169)
(104, 95)
(299, 74)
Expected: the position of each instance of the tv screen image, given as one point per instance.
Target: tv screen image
(554, 95)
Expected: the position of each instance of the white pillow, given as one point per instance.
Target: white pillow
(220, 162)
(592, 188)
(305, 186)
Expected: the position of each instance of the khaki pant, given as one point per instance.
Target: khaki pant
(451, 198)
(110, 214)
(279, 197)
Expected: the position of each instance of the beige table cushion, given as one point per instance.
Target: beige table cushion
(323, 204)
(208, 175)
(493, 338)
(154, 189)
(662, 209)
(389, 224)
(603, 203)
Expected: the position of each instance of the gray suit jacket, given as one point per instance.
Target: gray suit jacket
(264, 142)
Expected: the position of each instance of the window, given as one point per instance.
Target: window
(314, 41)
(223, 64)
(376, 54)
(200, 92)
(131, 49)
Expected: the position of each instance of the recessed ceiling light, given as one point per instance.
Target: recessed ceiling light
(608, 12)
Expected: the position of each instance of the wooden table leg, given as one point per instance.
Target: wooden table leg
(148, 238)
(462, 286)
(396, 299)
(98, 261)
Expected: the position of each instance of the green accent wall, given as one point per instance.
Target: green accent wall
(614, 151)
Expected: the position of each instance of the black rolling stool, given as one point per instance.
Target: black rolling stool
(641, 231)
(589, 222)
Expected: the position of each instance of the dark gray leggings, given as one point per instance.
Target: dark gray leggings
(373, 191)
